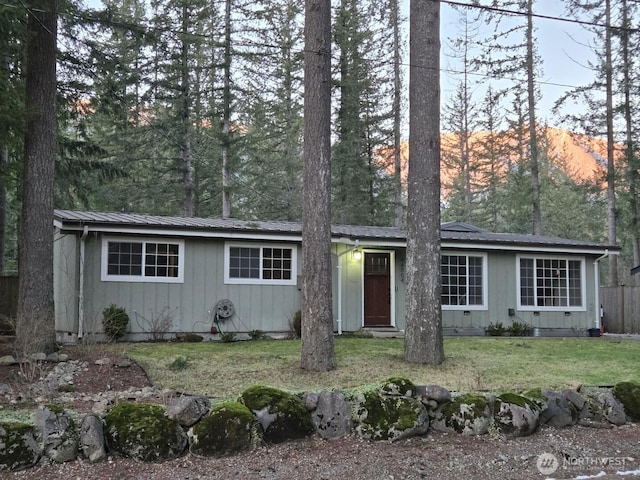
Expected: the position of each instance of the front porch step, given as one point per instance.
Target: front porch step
(384, 332)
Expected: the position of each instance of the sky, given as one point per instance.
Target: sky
(563, 46)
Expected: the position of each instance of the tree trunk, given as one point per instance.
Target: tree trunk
(317, 315)
(536, 210)
(397, 117)
(35, 328)
(185, 114)
(423, 341)
(226, 113)
(611, 175)
(629, 150)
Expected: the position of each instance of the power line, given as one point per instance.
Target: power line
(539, 15)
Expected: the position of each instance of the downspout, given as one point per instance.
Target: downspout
(340, 255)
(85, 232)
(596, 269)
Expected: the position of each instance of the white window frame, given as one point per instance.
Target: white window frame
(559, 308)
(142, 278)
(260, 281)
(485, 282)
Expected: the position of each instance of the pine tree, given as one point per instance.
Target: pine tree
(423, 341)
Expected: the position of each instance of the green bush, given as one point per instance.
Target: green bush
(496, 329)
(227, 337)
(296, 324)
(115, 321)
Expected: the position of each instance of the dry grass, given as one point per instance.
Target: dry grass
(224, 370)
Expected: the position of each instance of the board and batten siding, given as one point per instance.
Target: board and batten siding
(269, 308)
(502, 295)
(66, 256)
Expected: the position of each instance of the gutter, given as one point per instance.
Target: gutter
(356, 244)
(596, 268)
(85, 232)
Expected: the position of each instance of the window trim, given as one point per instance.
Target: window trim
(260, 281)
(485, 280)
(559, 308)
(142, 278)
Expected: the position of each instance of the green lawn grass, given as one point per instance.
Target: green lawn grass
(224, 370)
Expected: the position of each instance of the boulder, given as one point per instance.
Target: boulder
(8, 360)
(468, 414)
(515, 415)
(561, 409)
(389, 417)
(603, 408)
(282, 416)
(143, 432)
(228, 429)
(628, 393)
(398, 387)
(433, 393)
(92, 443)
(187, 409)
(18, 447)
(56, 433)
(332, 415)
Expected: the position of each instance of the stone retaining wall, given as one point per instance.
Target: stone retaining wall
(397, 410)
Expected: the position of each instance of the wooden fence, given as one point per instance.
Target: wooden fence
(621, 307)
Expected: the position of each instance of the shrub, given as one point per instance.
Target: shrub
(495, 329)
(180, 363)
(115, 321)
(227, 337)
(518, 329)
(256, 334)
(296, 324)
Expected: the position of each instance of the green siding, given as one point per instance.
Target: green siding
(65, 285)
(270, 308)
(257, 307)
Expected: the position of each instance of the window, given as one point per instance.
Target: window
(463, 281)
(551, 283)
(127, 260)
(272, 264)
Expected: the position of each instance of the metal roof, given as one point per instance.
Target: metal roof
(457, 233)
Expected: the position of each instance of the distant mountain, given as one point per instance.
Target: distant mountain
(580, 157)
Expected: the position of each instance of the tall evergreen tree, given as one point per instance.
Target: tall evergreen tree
(317, 305)
(423, 342)
(35, 325)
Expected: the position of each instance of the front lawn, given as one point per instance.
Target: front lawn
(224, 370)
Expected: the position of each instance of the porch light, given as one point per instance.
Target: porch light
(357, 255)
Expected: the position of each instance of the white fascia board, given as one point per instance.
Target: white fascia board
(189, 233)
(526, 248)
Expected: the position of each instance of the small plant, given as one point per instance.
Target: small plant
(180, 363)
(115, 321)
(256, 334)
(227, 337)
(296, 324)
(519, 329)
(496, 329)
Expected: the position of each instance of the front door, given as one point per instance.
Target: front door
(377, 289)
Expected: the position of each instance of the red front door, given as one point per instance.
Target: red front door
(377, 290)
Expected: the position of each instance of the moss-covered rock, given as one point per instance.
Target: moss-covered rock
(56, 432)
(282, 416)
(389, 418)
(468, 414)
(398, 386)
(143, 432)
(516, 415)
(18, 447)
(229, 428)
(628, 393)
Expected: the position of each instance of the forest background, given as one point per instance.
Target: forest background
(195, 108)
